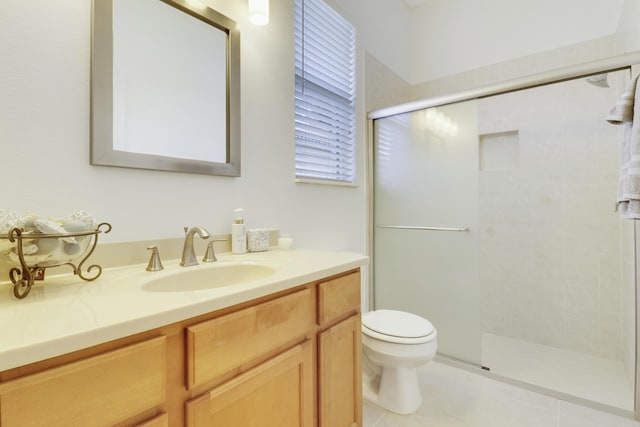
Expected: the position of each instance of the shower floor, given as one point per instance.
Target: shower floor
(580, 375)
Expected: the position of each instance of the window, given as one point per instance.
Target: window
(324, 94)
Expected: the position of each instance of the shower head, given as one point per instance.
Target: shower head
(599, 80)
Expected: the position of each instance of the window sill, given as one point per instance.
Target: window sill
(326, 182)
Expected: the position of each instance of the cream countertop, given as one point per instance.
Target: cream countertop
(65, 313)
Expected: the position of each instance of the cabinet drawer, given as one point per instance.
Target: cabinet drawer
(98, 391)
(338, 296)
(224, 344)
(278, 392)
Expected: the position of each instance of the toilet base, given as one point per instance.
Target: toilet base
(395, 390)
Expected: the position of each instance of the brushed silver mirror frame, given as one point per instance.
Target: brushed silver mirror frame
(102, 152)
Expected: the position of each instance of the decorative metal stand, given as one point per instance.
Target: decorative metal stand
(24, 276)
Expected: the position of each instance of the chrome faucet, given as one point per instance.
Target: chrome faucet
(188, 253)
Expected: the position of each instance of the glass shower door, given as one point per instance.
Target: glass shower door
(425, 215)
(504, 236)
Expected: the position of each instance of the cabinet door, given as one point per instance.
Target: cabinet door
(223, 345)
(340, 376)
(277, 393)
(102, 390)
(161, 420)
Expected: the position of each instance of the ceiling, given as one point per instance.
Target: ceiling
(414, 3)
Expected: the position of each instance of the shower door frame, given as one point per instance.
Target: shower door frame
(629, 61)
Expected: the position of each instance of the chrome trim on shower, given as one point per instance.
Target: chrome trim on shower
(414, 227)
(553, 76)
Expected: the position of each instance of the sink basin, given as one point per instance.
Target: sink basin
(208, 277)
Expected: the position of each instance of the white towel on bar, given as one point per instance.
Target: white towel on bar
(624, 113)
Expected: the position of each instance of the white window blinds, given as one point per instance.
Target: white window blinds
(324, 93)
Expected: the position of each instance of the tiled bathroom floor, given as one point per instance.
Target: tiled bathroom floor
(454, 397)
(558, 369)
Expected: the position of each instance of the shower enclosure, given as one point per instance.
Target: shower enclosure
(493, 217)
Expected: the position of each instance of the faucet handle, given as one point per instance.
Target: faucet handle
(154, 262)
(210, 255)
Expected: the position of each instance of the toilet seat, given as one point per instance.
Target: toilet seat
(397, 327)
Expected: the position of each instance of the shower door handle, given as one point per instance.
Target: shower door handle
(414, 227)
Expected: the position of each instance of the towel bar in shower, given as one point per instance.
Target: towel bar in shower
(413, 227)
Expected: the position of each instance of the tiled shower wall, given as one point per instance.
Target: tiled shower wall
(550, 252)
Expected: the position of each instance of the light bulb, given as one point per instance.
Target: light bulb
(259, 12)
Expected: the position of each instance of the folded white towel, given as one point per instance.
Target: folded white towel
(624, 113)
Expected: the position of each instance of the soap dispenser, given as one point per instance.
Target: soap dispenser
(238, 234)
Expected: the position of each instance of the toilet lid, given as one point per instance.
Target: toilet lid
(397, 324)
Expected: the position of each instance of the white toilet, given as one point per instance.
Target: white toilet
(394, 344)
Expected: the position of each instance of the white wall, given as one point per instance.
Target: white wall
(44, 135)
(382, 28)
(44, 115)
(628, 27)
(453, 36)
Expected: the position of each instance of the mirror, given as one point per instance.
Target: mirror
(165, 87)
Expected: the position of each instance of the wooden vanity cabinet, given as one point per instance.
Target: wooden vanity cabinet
(288, 359)
(339, 352)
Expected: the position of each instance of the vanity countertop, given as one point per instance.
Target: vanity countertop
(65, 313)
